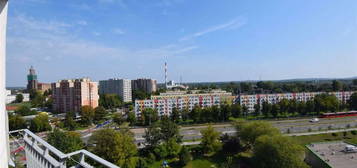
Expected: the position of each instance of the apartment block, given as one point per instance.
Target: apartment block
(71, 95)
(121, 87)
(251, 100)
(165, 102)
(147, 85)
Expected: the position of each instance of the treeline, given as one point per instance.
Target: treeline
(320, 104)
(280, 86)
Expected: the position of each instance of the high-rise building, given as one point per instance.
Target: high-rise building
(121, 87)
(146, 85)
(71, 95)
(32, 79)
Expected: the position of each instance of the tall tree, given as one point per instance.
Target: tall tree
(353, 101)
(149, 116)
(278, 152)
(40, 123)
(87, 115)
(250, 131)
(19, 98)
(66, 142)
(236, 110)
(16, 122)
(131, 119)
(115, 147)
(169, 130)
(336, 85)
(210, 140)
(99, 113)
(175, 116)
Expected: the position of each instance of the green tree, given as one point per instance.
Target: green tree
(69, 121)
(38, 99)
(184, 156)
(110, 101)
(336, 85)
(195, 114)
(250, 131)
(118, 118)
(140, 95)
(115, 147)
(19, 98)
(353, 101)
(185, 114)
(266, 108)
(66, 142)
(40, 123)
(99, 113)
(131, 119)
(87, 115)
(16, 122)
(175, 116)
(278, 152)
(210, 140)
(275, 110)
(25, 110)
(257, 109)
(284, 106)
(169, 130)
(152, 136)
(149, 116)
(236, 110)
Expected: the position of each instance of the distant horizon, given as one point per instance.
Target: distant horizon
(277, 80)
(200, 40)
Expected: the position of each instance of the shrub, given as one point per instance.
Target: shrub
(344, 134)
(335, 134)
(353, 132)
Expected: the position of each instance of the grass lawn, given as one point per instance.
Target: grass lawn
(304, 140)
(200, 163)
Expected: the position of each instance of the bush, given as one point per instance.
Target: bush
(344, 134)
(335, 134)
(353, 132)
(184, 156)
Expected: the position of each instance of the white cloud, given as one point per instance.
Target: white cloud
(82, 22)
(118, 31)
(233, 24)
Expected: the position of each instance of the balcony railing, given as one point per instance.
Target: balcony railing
(40, 154)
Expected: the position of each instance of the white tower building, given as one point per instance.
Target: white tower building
(4, 148)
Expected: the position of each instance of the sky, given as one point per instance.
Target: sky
(201, 40)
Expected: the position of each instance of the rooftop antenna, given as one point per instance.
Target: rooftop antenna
(180, 80)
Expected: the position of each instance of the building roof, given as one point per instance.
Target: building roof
(333, 153)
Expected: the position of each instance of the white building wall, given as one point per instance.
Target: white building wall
(4, 141)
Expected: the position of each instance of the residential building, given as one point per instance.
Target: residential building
(43, 87)
(71, 95)
(32, 80)
(121, 87)
(146, 85)
(250, 100)
(12, 97)
(165, 102)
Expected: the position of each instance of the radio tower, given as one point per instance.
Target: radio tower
(165, 75)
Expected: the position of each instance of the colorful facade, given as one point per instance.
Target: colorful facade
(251, 100)
(166, 102)
(71, 95)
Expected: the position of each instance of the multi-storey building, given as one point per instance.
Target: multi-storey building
(32, 80)
(71, 95)
(43, 87)
(250, 100)
(165, 102)
(147, 85)
(121, 87)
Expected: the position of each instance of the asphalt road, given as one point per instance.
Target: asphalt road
(293, 127)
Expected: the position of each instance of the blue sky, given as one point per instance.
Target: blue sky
(202, 40)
